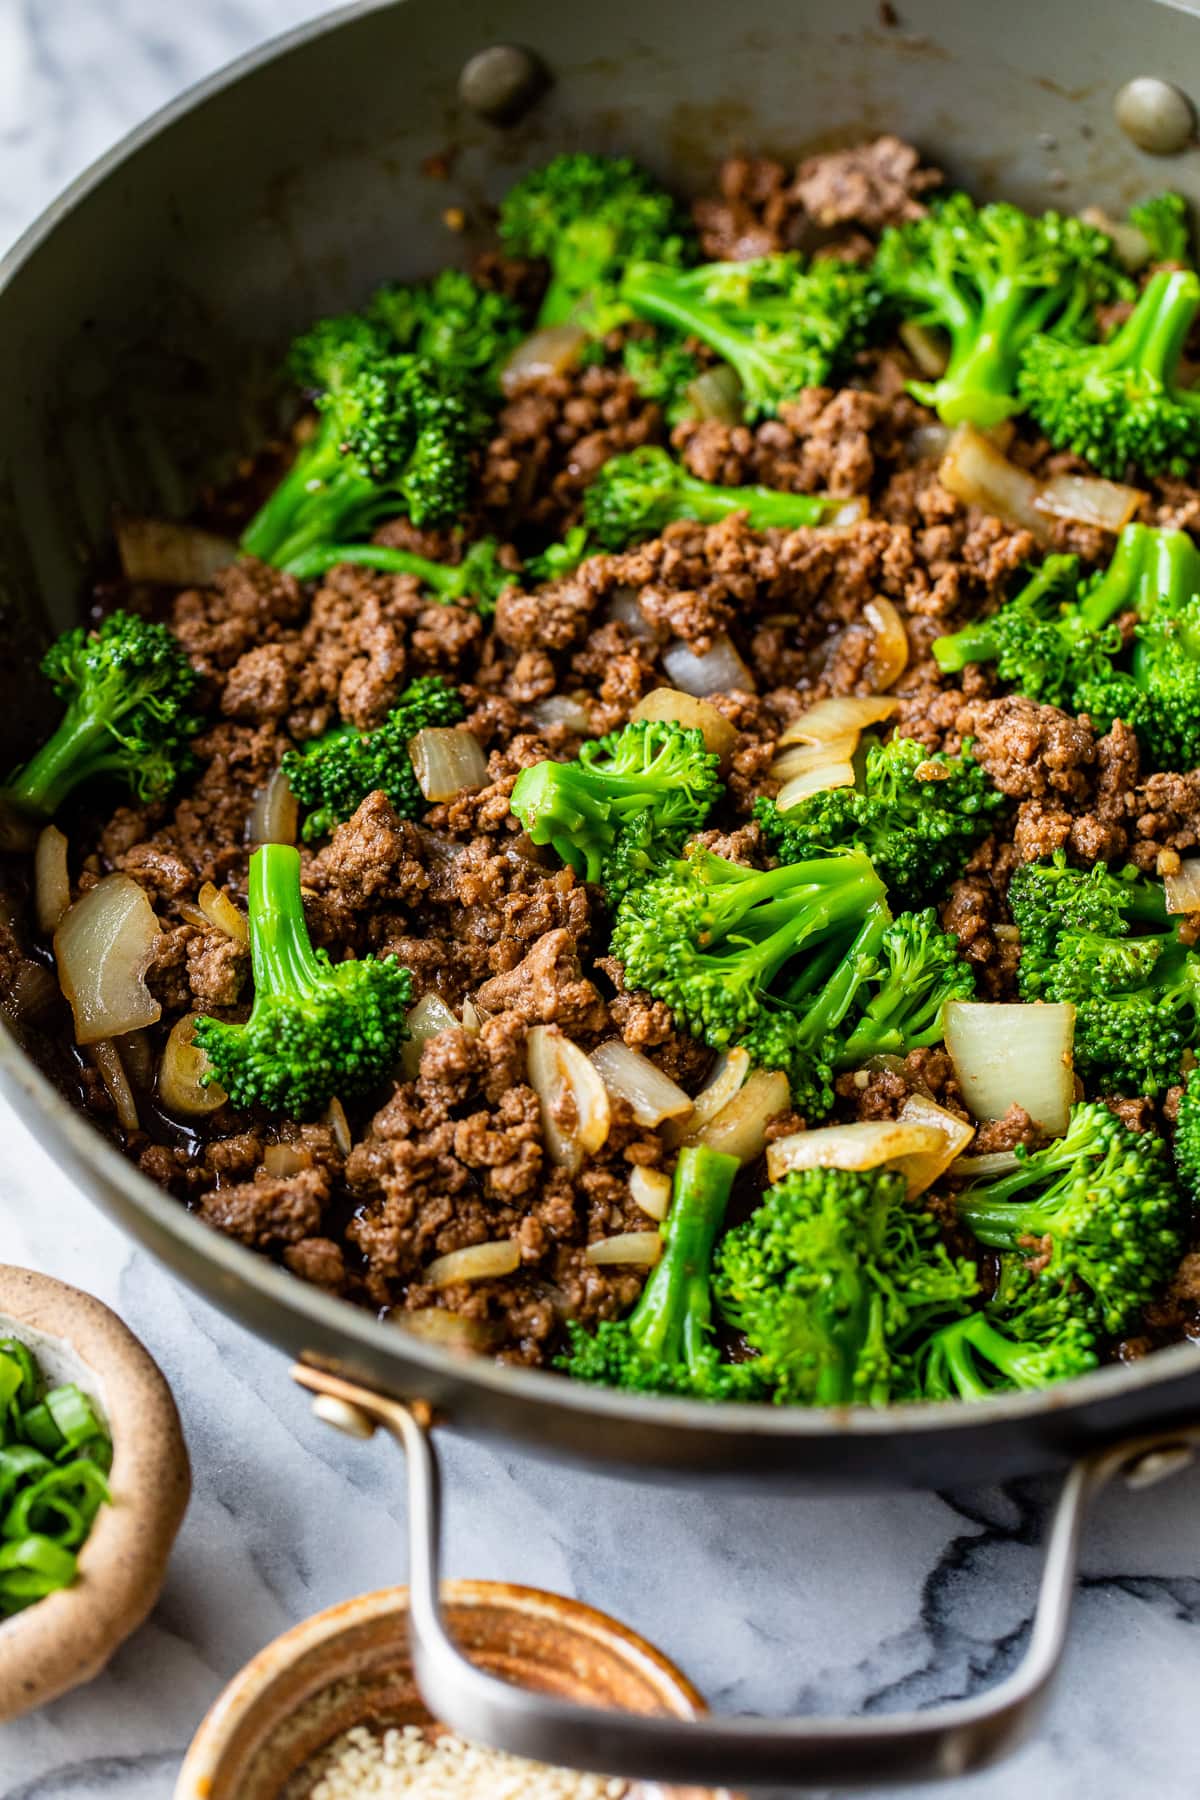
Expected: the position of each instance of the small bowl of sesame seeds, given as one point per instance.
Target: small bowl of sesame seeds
(331, 1711)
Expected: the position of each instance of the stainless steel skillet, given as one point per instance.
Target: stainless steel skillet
(139, 320)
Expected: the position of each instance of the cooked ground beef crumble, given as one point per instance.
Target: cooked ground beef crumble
(455, 1154)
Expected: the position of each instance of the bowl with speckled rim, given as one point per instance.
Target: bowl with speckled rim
(350, 1665)
(67, 1638)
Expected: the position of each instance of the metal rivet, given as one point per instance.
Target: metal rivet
(1156, 115)
(343, 1417)
(1156, 1465)
(502, 82)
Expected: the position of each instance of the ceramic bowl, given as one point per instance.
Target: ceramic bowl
(350, 1666)
(68, 1637)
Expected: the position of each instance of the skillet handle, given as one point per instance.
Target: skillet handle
(892, 1749)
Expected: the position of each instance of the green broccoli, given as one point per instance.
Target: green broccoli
(1165, 223)
(665, 1345)
(993, 277)
(917, 816)
(587, 215)
(315, 1030)
(464, 329)
(663, 369)
(899, 1007)
(129, 690)
(638, 494)
(1097, 1209)
(480, 577)
(625, 805)
(780, 323)
(975, 1357)
(830, 1278)
(1102, 941)
(332, 775)
(1186, 1145)
(1120, 404)
(561, 559)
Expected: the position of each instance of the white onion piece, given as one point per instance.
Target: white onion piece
(274, 814)
(103, 948)
(718, 671)
(650, 1191)
(814, 781)
(641, 1248)
(850, 512)
(286, 1159)
(626, 608)
(550, 351)
(453, 1330)
(561, 709)
(740, 1128)
(30, 991)
(716, 394)
(889, 652)
(928, 350)
(339, 1125)
(869, 1144)
(694, 715)
(927, 441)
(1182, 888)
(176, 555)
(1089, 500)
(798, 759)
(220, 911)
(447, 761)
(478, 1262)
(923, 1169)
(633, 1077)
(104, 1055)
(425, 1020)
(975, 471)
(843, 716)
(992, 1162)
(1014, 1055)
(574, 1100)
(179, 1085)
(51, 881)
(725, 1081)
(474, 1018)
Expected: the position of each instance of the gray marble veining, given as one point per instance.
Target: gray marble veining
(771, 1605)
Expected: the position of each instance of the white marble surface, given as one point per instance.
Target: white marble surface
(769, 1604)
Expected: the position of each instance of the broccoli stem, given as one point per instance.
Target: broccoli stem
(1152, 338)
(765, 506)
(281, 951)
(443, 578)
(83, 745)
(977, 385)
(1148, 566)
(274, 522)
(975, 1336)
(673, 1318)
(665, 305)
(980, 641)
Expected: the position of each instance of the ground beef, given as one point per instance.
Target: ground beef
(270, 1212)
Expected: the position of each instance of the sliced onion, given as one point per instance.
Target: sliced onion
(274, 815)
(51, 880)
(478, 1262)
(726, 1080)
(928, 440)
(740, 1128)
(927, 348)
(179, 1077)
(716, 394)
(426, 1020)
(550, 351)
(633, 1077)
(1131, 245)
(339, 1125)
(641, 1248)
(137, 1054)
(650, 1191)
(1182, 888)
(834, 720)
(104, 1056)
(814, 781)
(447, 761)
(574, 1101)
(923, 1169)
(869, 1144)
(1089, 500)
(474, 1018)
(626, 608)
(30, 991)
(798, 759)
(1014, 1055)
(285, 1159)
(851, 511)
(103, 948)
(694, 715)
(975, 471)
(455, 1330)
(176, 555)
(889, 652)
(718, 671)
(993, 1162)
(220, 911)
(561, 709)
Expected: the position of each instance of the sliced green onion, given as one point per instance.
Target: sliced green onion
(31, 1569)
(38, 1427)
(73, 1413)
(19, 1354)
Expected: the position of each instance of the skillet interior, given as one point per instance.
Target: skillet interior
(141, 318)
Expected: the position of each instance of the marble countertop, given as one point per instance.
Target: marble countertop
(860, 1605)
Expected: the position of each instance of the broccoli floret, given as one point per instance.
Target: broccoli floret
(561, 559)
(899, 1008)
(1120, 403)
(129, 690)
(1166, 225)
(1097, 1208)
(315, 1030)
(587, 215)
(332, 776)
(1102, 941)
(663, 369)
(978, 1356)
(917, 816)
(780, 323)
(1187, 1138)
(465, 329)
(666, 1345)
(639, 494)
(627, 803)
(480, 577)
(830, 1277)
(1037, 640)
(993, 277)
